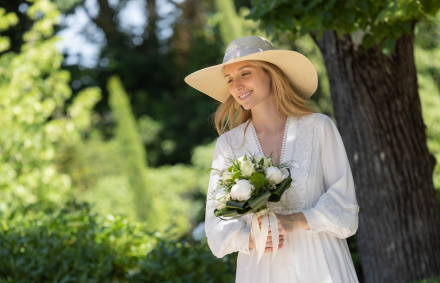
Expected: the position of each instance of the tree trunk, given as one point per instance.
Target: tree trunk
(378, 113)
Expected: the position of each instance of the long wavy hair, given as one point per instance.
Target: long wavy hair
(229, 114)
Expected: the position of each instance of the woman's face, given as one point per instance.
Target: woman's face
(248, 84)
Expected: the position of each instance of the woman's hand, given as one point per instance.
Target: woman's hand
(269, 244)
(289, 223)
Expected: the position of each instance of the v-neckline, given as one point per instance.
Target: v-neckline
(283, 145)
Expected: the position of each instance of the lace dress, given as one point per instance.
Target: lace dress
(323, 190)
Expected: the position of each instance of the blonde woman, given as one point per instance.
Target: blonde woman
(264, 94)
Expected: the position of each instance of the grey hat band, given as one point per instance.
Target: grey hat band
(241, 51)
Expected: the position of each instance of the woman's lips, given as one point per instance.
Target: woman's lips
(245, 95)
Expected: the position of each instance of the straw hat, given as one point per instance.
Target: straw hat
(298, 69)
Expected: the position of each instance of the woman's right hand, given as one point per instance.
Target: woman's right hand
(269, 245)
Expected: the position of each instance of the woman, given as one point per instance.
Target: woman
(263, 93)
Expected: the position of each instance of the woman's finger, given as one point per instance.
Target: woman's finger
(269, 250)
(269, 238)
(270, 244)
(280, 240)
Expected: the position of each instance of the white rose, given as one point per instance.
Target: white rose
(220, 195)
(247, 168)
(226, 176)
(242, 190)
(275, 175)
(266, 163)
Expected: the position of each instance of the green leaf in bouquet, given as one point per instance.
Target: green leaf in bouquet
(233, 213)
(236, 165)
(260, 201)
(236, 204)
(236, 175)
(245, 158)
(278, 192)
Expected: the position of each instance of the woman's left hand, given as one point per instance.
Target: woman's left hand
(289, 223)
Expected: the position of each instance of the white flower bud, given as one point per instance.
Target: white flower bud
(266, 163)
(242, 190)
(275, 175)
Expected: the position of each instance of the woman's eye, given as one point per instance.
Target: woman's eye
(229, 81)
(246, 74)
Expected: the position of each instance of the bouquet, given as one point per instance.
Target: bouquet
(246, 186)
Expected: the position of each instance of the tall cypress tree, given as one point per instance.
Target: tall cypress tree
(135, 163)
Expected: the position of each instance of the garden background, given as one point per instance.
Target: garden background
(103, 157)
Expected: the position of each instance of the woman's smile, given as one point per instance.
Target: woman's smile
(244, 95)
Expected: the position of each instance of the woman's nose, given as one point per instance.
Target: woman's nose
(238, 84)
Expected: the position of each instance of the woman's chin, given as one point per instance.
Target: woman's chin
(247, 107)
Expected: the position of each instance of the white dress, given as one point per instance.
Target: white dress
(322, 189)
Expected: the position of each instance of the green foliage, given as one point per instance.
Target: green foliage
(98, 170)
(6, 21)
(236, 175)
(231, 26)
(429, 280)
(153, 73)
(185, 262)
(70, 245)
(383, 21)
(36, 127)
(65, 5)
(258, 180)
(74, 245)
(148, 129)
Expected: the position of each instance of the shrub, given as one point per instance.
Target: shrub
(69, 245)
(184, 262)
(74, 245)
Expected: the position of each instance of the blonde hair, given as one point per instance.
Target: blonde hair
(229, 114)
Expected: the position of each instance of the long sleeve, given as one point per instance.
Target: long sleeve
(224, 236)
(336, 211)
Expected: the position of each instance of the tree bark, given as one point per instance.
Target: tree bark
(378, 113)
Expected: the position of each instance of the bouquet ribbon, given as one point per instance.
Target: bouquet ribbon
(260, 237)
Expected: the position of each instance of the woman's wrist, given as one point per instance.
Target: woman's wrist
(300, 221)
(251, 243)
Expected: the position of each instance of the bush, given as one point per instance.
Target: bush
(74, 245)
(184, 262)
(69, 245)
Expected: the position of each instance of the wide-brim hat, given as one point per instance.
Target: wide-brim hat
(297, 68)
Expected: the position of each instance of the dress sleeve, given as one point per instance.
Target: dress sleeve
(224, 236)
(336, 211)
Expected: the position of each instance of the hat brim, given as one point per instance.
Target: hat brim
(298, 69)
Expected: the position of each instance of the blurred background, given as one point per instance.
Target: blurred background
(104, 146)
